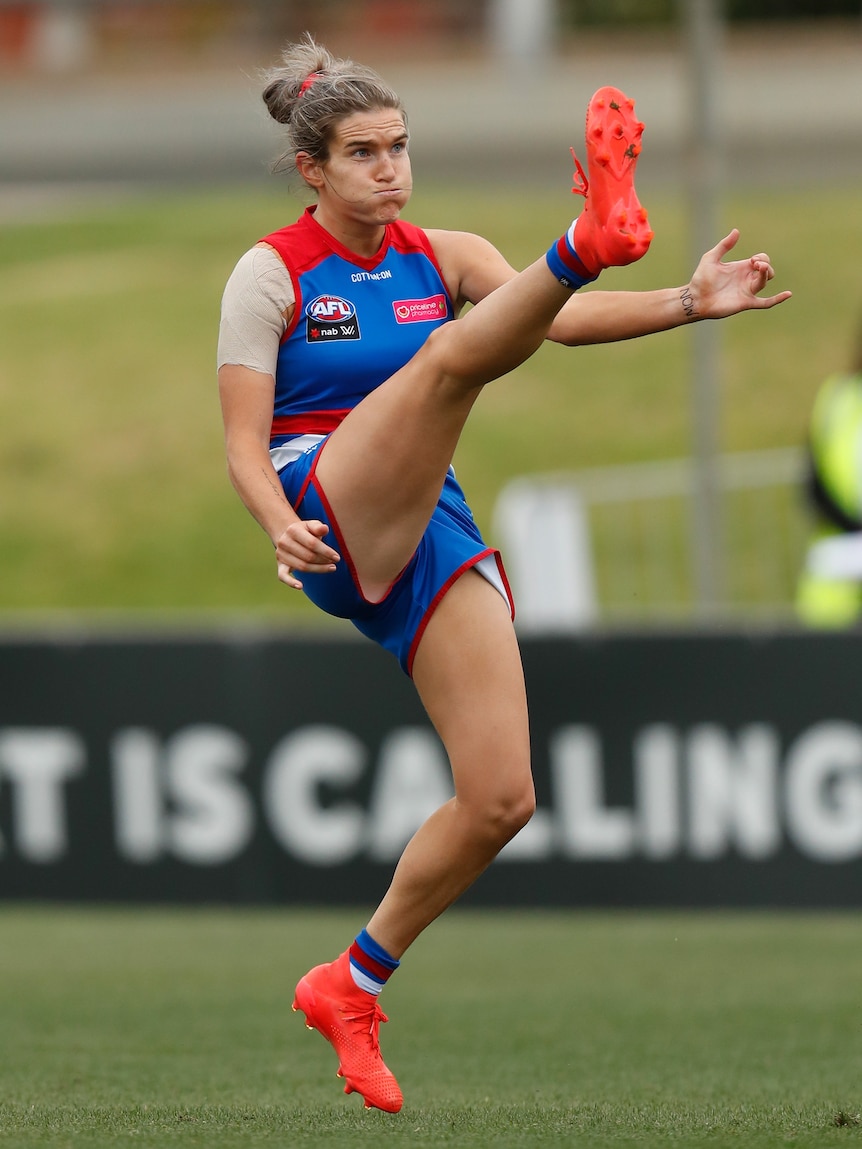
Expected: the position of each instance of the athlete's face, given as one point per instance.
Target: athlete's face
(367, 175)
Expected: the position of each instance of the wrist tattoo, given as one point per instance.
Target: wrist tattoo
(687, 300)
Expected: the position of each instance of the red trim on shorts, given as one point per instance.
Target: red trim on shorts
(311, 423)
(498, 558)
(311, 477)
(301, 492)
(447, 585)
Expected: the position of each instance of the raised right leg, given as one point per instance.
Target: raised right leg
(383, 468)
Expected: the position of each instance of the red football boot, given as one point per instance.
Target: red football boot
(349, 1019)
(613, 229)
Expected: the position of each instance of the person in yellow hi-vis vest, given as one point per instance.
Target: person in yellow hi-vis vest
(829, 591)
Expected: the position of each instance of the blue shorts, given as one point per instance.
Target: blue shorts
(450, 546)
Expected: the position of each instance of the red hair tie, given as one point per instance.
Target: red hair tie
(307, 82)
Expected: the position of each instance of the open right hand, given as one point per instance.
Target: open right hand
(722, 287)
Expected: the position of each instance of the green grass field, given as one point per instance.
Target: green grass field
(110, 434)
(172, 1027)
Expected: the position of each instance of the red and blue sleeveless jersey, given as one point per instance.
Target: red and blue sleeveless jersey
(356, 321)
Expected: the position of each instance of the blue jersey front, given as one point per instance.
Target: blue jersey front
(356, 321)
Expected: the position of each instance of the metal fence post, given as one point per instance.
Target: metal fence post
(703, 19)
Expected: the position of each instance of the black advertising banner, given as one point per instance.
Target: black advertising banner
(671, 770)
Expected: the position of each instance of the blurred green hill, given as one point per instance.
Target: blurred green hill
(115, 495)
(129, 189)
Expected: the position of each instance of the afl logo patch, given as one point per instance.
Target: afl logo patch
(330, 317)
(330, 309)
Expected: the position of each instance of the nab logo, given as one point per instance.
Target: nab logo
(329, 317)
(330, 309)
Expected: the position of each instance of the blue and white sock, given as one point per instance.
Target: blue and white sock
(565, 263)
(370, 965)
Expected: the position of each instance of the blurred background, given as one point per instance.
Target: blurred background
(177, 727)
(651, 497)
(666, 477)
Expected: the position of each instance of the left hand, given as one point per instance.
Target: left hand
(719, 289)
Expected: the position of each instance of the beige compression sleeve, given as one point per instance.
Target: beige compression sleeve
(256, 298)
